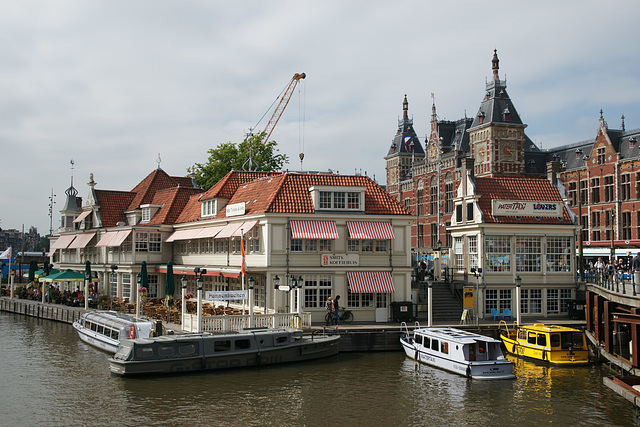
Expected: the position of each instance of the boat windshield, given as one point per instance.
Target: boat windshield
(571, 340)
(123, 351)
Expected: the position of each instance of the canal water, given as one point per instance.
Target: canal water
(51, 378)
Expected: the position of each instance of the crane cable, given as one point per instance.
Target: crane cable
(301, 121)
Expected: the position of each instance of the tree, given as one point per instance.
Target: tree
(229, 156)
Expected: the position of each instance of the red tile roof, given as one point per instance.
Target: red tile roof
(112, 206)
(156, 181)
(288, 193)
(513, 188)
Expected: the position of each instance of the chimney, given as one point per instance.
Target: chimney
(553, 167)
(467, 172)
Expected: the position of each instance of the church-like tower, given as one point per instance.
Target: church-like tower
(404, 151)
(497, 135)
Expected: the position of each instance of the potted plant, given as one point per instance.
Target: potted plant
(143, 292)
(189, 295)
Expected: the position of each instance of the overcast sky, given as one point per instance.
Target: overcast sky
(112, 84)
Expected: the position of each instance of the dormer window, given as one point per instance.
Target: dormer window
(208, 208)
(338, 198)
(506, 114)
(148, 211)
(481, 117)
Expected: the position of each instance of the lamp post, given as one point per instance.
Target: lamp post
(300, 284)
(251, 282)
(138, 282)
(518, 308)
(276, 286)
(87, 277)
(477, 273)
(111, 281)
(292, 293)
(429, 302)
(199, 272)
(184, 293)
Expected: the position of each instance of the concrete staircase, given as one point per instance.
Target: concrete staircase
(446, 306)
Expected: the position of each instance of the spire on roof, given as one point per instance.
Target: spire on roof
(159, 160)
(405, 108)
(495, 65)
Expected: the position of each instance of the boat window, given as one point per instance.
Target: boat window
(282, 339)
(223, 345)
(165, 351)
(567, 338)
(243, 344)
(434, 345)
(144, 352)
(444, 347)
(418, 339)
(542, 339)
(114, 334)
(577, 340)
(555, 340)
(531, 339)
(427, 342)
(101, 329)
(94, 326)
(186, 349)
(123, 351)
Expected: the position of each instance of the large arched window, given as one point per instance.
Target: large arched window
(448, 192)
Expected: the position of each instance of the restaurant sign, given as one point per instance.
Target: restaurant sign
(340, 260)
(525, 208)
(224, 295)
(235, 209)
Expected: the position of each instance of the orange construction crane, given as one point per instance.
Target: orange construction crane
(284, 100)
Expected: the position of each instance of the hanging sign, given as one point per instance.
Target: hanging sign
(225, 295)
(235, 209)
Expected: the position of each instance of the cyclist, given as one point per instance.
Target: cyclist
(336, 309)
(329, 307)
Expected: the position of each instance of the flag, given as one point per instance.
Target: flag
(6, 254)
(244, 259)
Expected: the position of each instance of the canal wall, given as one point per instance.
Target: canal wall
(59, 313)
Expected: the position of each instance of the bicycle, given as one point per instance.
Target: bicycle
(343, 315)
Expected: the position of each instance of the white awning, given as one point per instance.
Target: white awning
(81, 240)
(63, 241)
(82, 216)
(370, 282)
(208, 232)
(314, 229)
(376, 230)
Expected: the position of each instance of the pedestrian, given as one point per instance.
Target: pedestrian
(336, 309)
(636, 269)
(423, 270)
(329, 307)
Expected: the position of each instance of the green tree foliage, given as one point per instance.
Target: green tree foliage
(229, 156)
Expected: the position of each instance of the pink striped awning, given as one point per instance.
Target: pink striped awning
(82, 216)
(376, 230)
(81, 240)
(208, 232)
(370, 282)
(63, 241)
(314, 230)
(122, 235)
(106, 238)
(184, 234)
(228, 230)
(244, 228)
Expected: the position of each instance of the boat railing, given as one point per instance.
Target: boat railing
(226, 323)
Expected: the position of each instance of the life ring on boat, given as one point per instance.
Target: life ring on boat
(132, 332)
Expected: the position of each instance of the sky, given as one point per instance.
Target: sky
(117, 85)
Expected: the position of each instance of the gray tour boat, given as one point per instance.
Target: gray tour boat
(105, 329)
(208, 351)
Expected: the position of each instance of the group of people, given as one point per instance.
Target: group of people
(333, 306)
(615, 270)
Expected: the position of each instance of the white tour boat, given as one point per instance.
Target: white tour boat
(105, 329)
(465, 353)
(171, 354)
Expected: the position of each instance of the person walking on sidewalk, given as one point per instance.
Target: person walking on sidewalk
(336, 309)
(329, 307)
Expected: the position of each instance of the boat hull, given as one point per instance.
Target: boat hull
(302, 350)
(92, 338)
(478, 370)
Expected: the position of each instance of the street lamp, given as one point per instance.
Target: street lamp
(518, 281)
(199, 272)
(184, 293)
(138, 282)
(276, 286)
(477, 273)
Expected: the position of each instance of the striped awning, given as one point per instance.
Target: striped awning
(82, 216)
(370, 282)
(63, 241)
(184, 234)
(208, 232)
(244, 228)
(81, 240)
(229, 230)
(377, 230)
(106, 238)
(122, 235)
(314, 230)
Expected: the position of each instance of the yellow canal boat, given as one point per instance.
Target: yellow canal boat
(556, 345)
